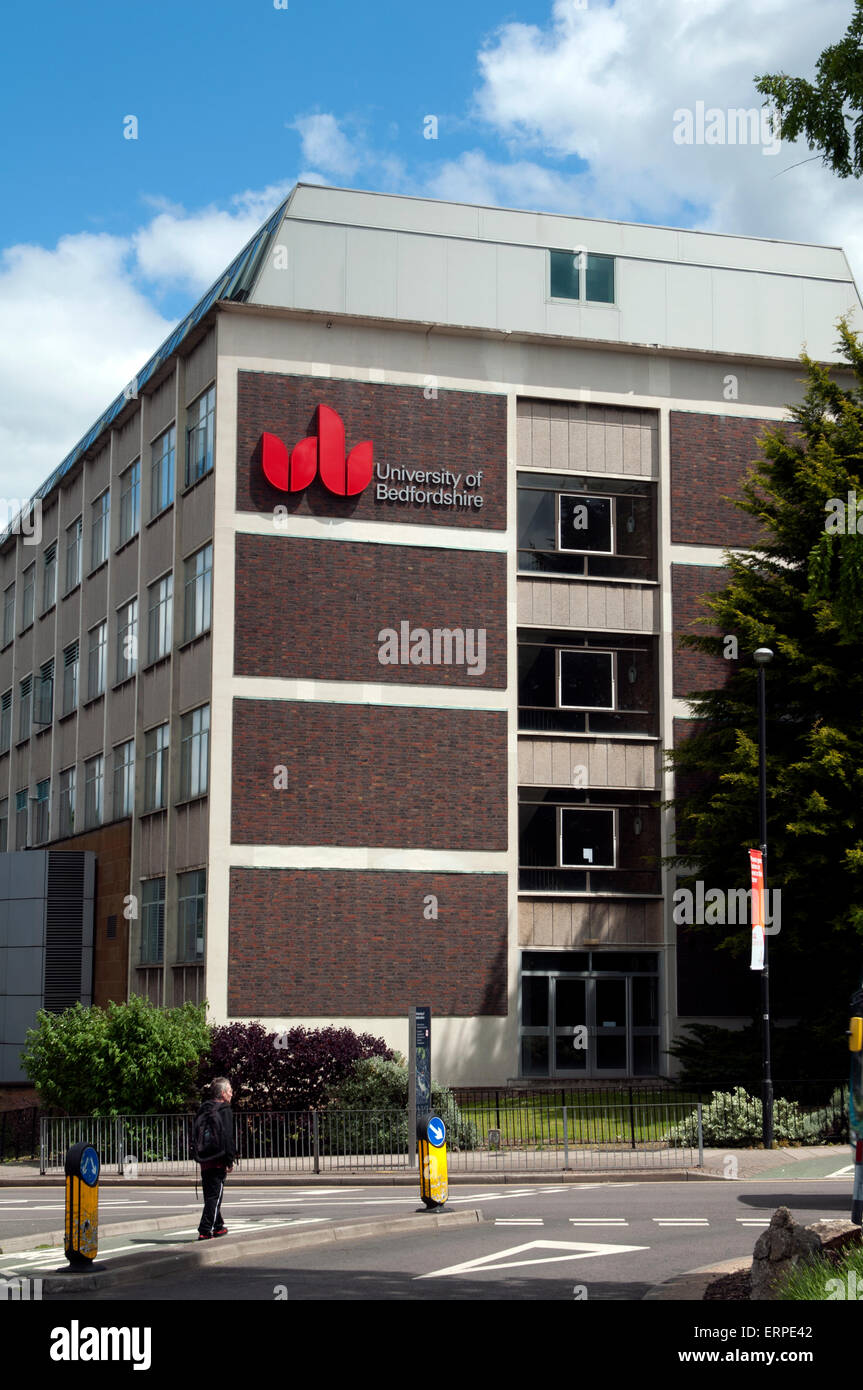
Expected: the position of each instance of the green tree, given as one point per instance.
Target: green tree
(799, 592)
(130, 1059)
(829, 111)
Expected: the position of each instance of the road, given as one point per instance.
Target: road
(607, 1241)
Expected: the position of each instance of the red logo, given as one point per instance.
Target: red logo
(343, 474)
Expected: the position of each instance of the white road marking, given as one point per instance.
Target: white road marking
(575, 1251)
(598, 1221)
(519, 1221)
(842, 1172)
(681, 1220)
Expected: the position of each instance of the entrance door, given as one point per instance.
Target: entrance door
(571, 1044)
(610, 1028)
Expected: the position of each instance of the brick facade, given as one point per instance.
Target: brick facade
(710, 455)
(694, 670)
(369, 775)
(291, 592)
(319, 943)
(459, 431)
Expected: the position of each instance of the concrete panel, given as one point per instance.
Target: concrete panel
(10, 1062)
(521, 275)
(4, 931)
(26, 923)
(28, 871)
(121, 715)
(471, 285)
(124, 575)
(690, 304)
(24, 970)
(318, 254)
(196, 516)
(194, 674)
(200, 368)
(370, 275)
(21, 1010)
(128, 446)
(155, 693)
(161, 415)
(158, 550)
(421, 285)
(91, 724)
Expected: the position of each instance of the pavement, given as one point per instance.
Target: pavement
(136, 1250)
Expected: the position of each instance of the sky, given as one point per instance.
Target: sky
(144, 145)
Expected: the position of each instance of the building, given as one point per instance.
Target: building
(344, 639)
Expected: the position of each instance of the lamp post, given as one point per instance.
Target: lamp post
(763, 657)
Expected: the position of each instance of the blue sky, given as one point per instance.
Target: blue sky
(558, 105)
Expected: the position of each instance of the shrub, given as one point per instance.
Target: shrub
(382, 1085)
(733, 1120)
(294, 1070)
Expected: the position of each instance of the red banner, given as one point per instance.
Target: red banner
(756, 869)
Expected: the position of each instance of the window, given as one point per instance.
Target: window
(200, 418)
(582, 275)
(199, 592)
(100, 521)
(4, 825)
(160, 617)
(43, 812)
(44, 711)
(191, 909)
(156, 768)
(130, 502)
(67, 801)
(70, 678)
(49, 578)
(127, 640)
(587, 838)
(97, 661)
(8, 615)
(163, 452)
(6, 721)
(124, 779)
(152, 921)
(25, 707)
(29, 596)
(93, 778)
(194, 752)
(74, 535)
(585, 523)
(585, 680)
(21, 819)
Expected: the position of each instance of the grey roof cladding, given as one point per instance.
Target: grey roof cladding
(233, 284)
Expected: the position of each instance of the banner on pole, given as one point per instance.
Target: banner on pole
(756, 870)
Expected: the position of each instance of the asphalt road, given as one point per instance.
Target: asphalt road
(594, 1242)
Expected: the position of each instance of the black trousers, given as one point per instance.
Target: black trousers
(213, 1183)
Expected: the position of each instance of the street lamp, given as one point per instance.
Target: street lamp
(763, 657)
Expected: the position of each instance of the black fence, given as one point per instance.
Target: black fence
(19, 1133)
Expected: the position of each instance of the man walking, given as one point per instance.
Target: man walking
(215, 1150)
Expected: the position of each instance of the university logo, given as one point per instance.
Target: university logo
(324, 453)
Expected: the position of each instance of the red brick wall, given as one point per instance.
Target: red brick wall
(322, 943)
(463, 431)
(291, 594)
(695, 670)
(112, 846)
(710, 455)
(369, 775)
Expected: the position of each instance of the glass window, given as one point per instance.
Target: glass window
(99, 530)
(29, 596)
(25, 707)
(191, 912)
(163, 451)
(44, 712)
(587, 838)
(194, 752)
(152, 921)
(600, 279)
(156, 768)
(199, 592)
(160, 625)
(130, 502)
(200, 419)
(43, 812)
(74, 534)
(586, 680)
(70, 678)
(21, 799)
(67, 801)
(8, 615)
(93, 779)
(49, 578)
(582, 275)
(585, 523)
(566, 274)
(6, 721)
(124, 779)
(97, 661)
(127, 640)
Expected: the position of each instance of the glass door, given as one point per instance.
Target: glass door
(571, 1033)
(610, 1026)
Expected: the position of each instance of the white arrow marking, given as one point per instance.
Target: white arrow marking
(842, 1172)
(576, 1250)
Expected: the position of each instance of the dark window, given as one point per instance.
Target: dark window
(587, 680)
(585, 523)
(587, 838)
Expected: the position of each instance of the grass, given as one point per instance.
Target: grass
(825, 1279)
(593, 1118)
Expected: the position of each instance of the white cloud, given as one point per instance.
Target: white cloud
(191, 249)
(326, 146)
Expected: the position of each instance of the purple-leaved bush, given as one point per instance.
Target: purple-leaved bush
(293, 1070)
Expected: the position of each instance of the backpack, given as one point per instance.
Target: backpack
(208, 1138)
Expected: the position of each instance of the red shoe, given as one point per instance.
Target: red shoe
(222, 1231)
(205, 1235)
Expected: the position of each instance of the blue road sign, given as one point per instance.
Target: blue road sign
(436, 1131)
(90, 1166)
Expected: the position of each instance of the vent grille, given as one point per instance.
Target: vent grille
(64, 930)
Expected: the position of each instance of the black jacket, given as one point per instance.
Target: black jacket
(224, 1116)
